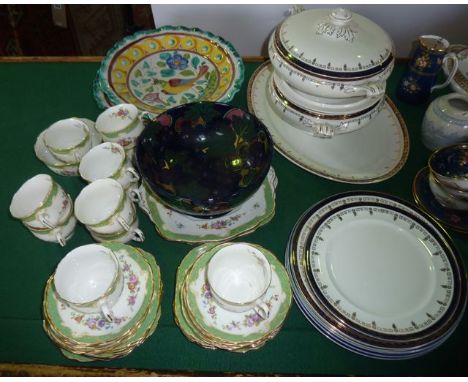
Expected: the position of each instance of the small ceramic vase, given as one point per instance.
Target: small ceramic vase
(419, 80)
(446, 121)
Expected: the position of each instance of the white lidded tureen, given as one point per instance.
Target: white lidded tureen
(332, 53)
(320, 124)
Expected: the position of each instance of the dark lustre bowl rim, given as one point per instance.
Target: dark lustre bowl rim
(144, 178)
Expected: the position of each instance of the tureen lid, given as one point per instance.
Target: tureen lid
(334, 43)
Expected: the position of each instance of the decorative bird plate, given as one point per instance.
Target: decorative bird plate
(169, 66)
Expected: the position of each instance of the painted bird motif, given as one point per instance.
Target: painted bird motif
(154, 98)
(180, 85)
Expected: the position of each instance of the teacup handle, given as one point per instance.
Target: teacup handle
(107, 312)
(138, 235)
(60, 239)
(449, 56)
(133, 173)
(136, 195)
(43, 218)
(372, 90)
(262, 309)
(123, 223)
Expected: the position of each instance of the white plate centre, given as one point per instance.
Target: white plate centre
(380, 268)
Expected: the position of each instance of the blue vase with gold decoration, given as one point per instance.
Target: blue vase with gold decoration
(419, 80)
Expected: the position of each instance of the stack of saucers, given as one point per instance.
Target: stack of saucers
(376, 276)
(135, 313)
(330, 70)
(58, 161)
(205, 322)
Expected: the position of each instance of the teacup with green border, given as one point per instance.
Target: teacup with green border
(68, 140)
(108, 160)
(90, 280)
(43, 207)
(105, 208)
(121, 124)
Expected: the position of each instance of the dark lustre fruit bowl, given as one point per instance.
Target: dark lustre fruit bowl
(204, 158)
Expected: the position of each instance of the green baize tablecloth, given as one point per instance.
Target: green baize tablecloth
(33, 96)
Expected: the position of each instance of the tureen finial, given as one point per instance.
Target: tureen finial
(340, 16)
(336, 25)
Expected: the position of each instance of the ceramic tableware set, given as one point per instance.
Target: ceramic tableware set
(441, 188)
(376, 276)
(369, 271)
(231, 296)
(72, 147)
(40, 203)
(102, 301)
(323, 93)
(330, 70)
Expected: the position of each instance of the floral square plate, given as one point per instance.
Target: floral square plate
(169, 66)
(255, 212)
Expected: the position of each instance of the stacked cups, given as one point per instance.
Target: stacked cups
(45, 209)
(108, 212)
(330, 70)
(62, 145)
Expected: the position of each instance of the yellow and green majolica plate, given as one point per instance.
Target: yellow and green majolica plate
(169, 66)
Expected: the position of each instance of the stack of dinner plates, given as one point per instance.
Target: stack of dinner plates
(87, 337)
(207, 324)
(376, 276)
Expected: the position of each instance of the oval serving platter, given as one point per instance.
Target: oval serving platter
(371, 154)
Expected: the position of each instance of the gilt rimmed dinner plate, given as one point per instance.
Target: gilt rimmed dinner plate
(457, 220)
(335, 309)
(169, 66)
(256, 211)
(369, 155)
